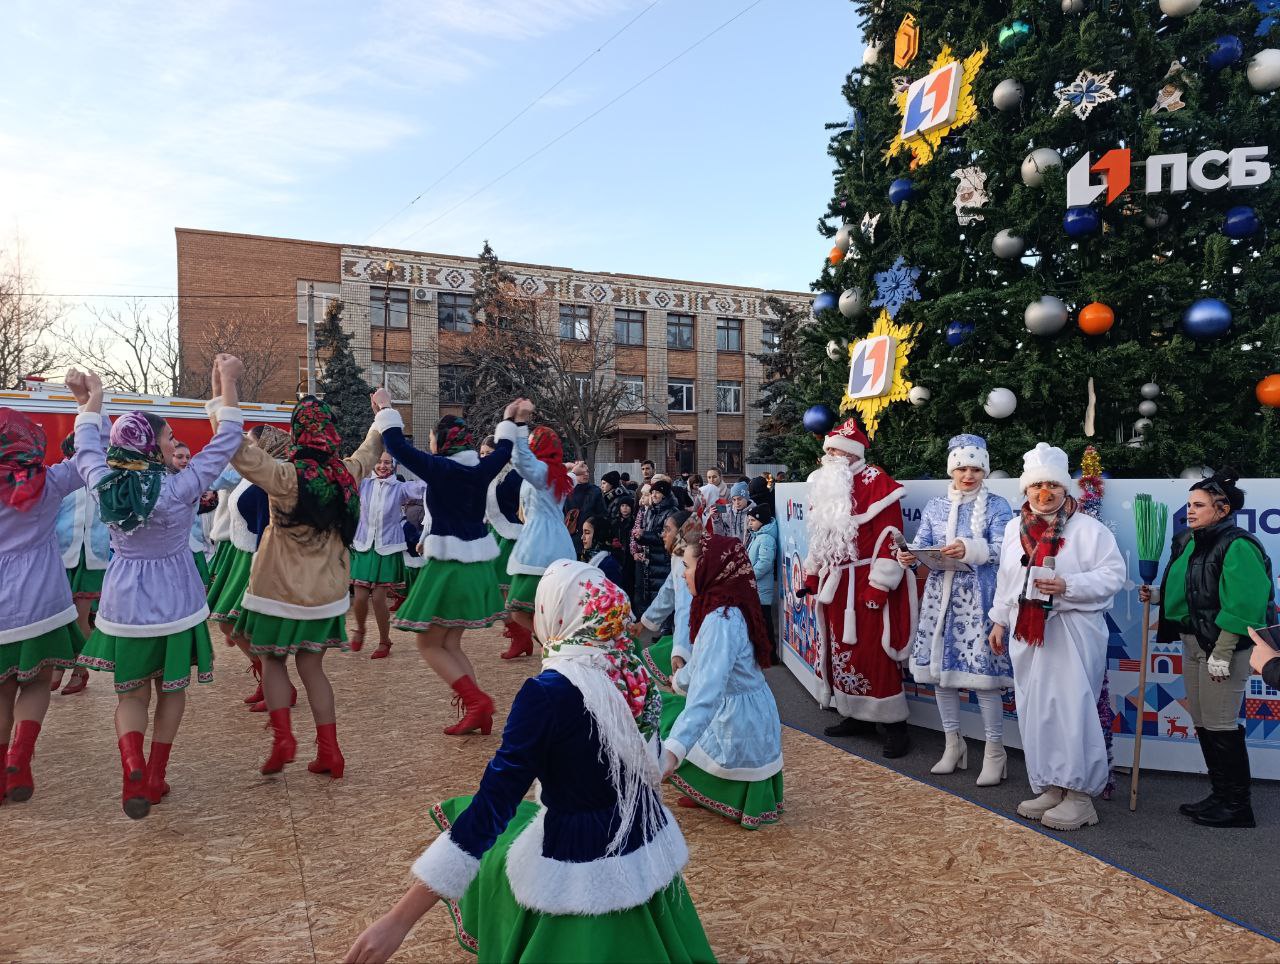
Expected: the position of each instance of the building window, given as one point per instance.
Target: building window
(454, 389)
(582, 385)
(728, 334)
(397, 379)
(628, 326)
(680, 395)
(1255, 687)
(302, 374)
(729, 457)
(679, 330)
(397, 316)
(455, 311)
(729, 398)
(770, 338)
(575, 322)
(633, 399)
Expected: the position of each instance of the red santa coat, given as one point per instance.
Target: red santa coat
(859, 663)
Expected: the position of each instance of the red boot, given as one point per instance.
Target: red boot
(79, 682)
(156, 765)
(20, 783)
(256, 695)
(521, 641)
(328, 757)
(134, 795)
(478, 708)
(4, 771)
(261, 705)
(284, 747)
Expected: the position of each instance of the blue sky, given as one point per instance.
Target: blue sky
(122, 120)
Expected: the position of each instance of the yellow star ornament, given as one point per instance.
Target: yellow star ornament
(935, 105)
(876, 367)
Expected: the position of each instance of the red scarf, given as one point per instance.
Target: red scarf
(547, 447)
(724, 577)
(1041, 539)
(22, 474)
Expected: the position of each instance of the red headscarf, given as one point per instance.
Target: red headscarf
(724, 577)
(547, 447)
(22, 474)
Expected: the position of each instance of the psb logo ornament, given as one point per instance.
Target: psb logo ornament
(871, 367)
(1210, 171)
(932, 100)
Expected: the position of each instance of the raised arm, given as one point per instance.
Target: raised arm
(90, 459)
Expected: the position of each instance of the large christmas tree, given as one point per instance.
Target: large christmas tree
(951, 216)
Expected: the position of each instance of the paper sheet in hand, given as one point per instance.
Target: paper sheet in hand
(934, 559)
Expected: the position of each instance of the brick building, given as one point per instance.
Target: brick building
(686, 346)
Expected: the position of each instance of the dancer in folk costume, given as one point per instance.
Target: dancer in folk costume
(669, 607)
(951, 650)
(1059, 646)
(197, 541)
(502, 514)
(727, 741)
(539, 458)
(38, 631)
(377, 554)
(867, 609)
(592, 871)
(151, 621)
(456, 589)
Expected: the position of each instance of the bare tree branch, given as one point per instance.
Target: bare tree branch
(28, 342)
(255, 340)
(134, 348)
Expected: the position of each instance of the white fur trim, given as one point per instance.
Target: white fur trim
(703, 761)
(890, 709)
(413, 562)
(467, 457)
(153, 629)
(275, 607)
(968, 456)
(31, 630)
(844, 445)
(676, 749)
(684, 652)
(89, 418)
(509, 431)
(238, 530)
(388, 418)
(594, 887)
(229, 413)
(644, 621)
(212, 405)
(885, 574)
(976, 551)
(445, 867)
(875, 508)
(453, 549)
(493, 515)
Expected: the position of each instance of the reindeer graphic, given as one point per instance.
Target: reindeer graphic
(1176, 727)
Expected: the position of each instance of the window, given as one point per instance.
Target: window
(302, 374)
(729, 457)
(770, 338)
(397, 379)
(633, 400)
(680, 395)
(397, 316)
(679, 330)
(729, 398)
(575, 322)
(455, 311)
(582, 385)
(325, 292)
(728, 334)
(454, 389)
(628, 326)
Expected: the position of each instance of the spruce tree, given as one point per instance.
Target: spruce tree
(342, 383)
(1154, 254)
(782, 387)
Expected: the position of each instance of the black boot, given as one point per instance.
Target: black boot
(1215, 777)
(1234, 810)
(897, 740)
(851, 727)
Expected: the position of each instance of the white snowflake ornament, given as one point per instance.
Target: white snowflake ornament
(1085, 93)
(869, 227)
(971, 193)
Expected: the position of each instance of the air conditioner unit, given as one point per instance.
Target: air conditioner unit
(421, 294)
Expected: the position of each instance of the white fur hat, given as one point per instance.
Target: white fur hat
(1045, 463)
(968, 450)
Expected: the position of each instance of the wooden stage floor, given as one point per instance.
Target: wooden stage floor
(234, 866)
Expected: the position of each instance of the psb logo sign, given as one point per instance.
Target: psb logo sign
(871, 367)
(932, 100)
(1210, 171)
(1114, 166)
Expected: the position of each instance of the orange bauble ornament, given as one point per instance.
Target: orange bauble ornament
(835, 257)
(1268, 391)
(1096, 318)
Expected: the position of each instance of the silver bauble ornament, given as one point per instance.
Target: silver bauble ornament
(1037, 165)
(1264, 70)
(1150, 390)
(1141, 425)
(1073, 6)
(919, 395)
(1000, 403)
(871, 54)
(1046, 316)
(998, 474)
(843, 237)
(1008, 95)
(1148, 408)
(836, 350)
(1194, 473)
(1179, 8)
(1007, 244)
(851, 303)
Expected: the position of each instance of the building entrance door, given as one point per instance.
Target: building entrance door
(633, 449)
(686, 456)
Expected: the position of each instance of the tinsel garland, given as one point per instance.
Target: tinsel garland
(1092, 485)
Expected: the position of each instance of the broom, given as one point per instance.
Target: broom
(1150, 520)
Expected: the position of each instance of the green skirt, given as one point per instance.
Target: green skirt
(219, 556)
(370, 569)
(452, 594)
(278, 636)
(202, 567)
(410, 577)
(135, 660)
(27, 658)
(490, 924)
(229, 584)
(523, 592)
(657, 660)
(86, 583)
(752, 804)
(505, 546)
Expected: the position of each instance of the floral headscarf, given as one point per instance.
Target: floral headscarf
(128, 494)
(276, 443)
(456, 436)
(547, 447)
(22, 474)
(68, 445)
(326, 488)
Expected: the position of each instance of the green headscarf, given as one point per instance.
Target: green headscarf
(128, 494)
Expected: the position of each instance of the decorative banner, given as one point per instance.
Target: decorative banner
(1085, 93)
(876, 366)
(935, 105)
(906, 44)
(971, 193)
(895, 287)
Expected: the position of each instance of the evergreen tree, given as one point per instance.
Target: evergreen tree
(1155, 254)
(492, 286)
(342, 383)
(781, 389)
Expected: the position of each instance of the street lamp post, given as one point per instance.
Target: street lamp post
(387, 268)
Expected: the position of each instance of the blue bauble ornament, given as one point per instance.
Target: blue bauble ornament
(958, 333)
(1241, 222)
(1207, 318)
(902, 190)
(819, 419)
(1227, 50)
(1081, 221)
(825, 301)
(1014, 35)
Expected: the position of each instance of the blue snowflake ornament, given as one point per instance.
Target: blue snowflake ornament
(1269, 10)
(1085, 93)
(895, 287)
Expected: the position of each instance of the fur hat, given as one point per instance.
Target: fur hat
(1045, 463)
(847, 438)
(964, 451)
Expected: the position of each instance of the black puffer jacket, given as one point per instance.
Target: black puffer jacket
(657, 561)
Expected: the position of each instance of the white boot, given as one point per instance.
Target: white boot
(1037, 808)
(956, 755)
(1074, 812)
(995, 765)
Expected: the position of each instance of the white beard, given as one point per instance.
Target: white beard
(833, 530)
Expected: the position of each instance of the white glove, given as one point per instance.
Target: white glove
(1219, 669)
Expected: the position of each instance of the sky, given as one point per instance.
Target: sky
(122, 119)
